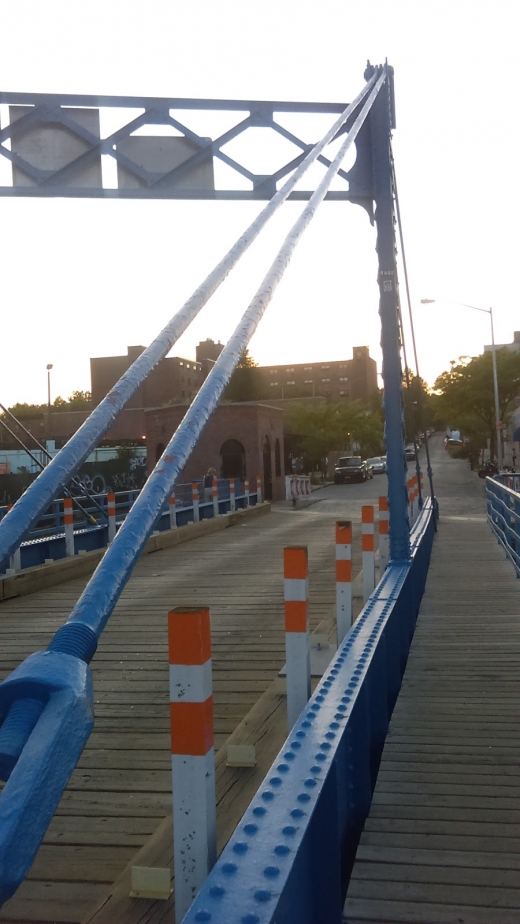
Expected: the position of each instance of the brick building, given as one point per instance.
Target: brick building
(354, 379)
(175, 377)
(239, 440)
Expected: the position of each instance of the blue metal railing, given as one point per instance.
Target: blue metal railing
(503, 510)
(48, 539)
(291, 855)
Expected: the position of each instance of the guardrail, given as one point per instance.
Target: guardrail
(291, 856)
(47, 540)
(297, 486)
(503, 510)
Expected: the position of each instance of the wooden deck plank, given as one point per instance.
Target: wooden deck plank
(441, 843)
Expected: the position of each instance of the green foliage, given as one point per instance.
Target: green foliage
(21, 410)
(322, 428)
(245, 383)
(78, 401)
(466, 394)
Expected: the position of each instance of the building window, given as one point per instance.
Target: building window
(291, 369)
(325, 367)
(343, 392)
(325, 380)
(273, 383)
(307, 368)
(290, 382)
(273, 371)
(187, 365)
(277, 459)
(308, 381)
(343, 379)
(181, 363)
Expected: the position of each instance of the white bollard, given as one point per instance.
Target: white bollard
(195, 501)
(297, 647)
(111, 510)
(214, 496)
(68, 520)
(173, 511)
(193, 755)
(232, 495)
(384, 540)
(368, 551)
(343, 578)
(246, 490)
(258, 489)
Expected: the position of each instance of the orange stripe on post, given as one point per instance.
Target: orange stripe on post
(383, 503)
(367, 542)
(191, 726)
(296, 616)
(67, 511)
(343, 533)
(343, 570)
(367, 514)
(295, 562)
(383, 527)
(189, 635)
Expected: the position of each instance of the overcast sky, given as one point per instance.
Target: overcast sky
(87, 278)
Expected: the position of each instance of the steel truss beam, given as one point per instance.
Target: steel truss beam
(59, 111)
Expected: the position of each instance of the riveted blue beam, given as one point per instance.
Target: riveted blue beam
(66, 463)
(291, 855)
(165, 102)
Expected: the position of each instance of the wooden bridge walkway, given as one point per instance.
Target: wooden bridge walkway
(121, 789)
(442, 841)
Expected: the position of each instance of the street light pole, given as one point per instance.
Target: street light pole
(498, 422)
(49, 367)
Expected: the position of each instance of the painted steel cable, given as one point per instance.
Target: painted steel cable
(100, 596)
(66, 463)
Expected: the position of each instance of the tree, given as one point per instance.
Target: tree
(245, 383)
(318, 429)
(22, 410)
(466, 394)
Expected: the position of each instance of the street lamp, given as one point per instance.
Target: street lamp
(498, 422)
(49, 367)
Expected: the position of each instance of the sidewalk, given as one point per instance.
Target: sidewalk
(441, 844)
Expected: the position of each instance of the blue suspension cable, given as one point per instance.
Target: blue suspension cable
(29, 508)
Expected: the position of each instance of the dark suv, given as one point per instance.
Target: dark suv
(350, 468)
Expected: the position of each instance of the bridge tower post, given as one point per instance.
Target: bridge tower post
(382, 121)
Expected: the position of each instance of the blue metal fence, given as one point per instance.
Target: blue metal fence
(291, 855)
(47, 540)
(503, 510)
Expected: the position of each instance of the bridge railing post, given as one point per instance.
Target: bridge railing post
(111, 511)
(259, 489)
(172, 511)
(368, 550)
(343, 578)
(68, 521)
(214, 496)
(297, 647)
(384, 549)
(193, 756)
(232, 495)
(195, 501)
(246, 490)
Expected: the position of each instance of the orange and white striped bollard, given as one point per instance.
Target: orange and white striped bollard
(173, 510)
(246, 490)
(343, 578)
(111, 512)
(297, 647)
(193, 756)
(258, 489)
(214, 496)
(195, 501)
(368, 553)
(68, 522)
(384, 539)
(232, 495)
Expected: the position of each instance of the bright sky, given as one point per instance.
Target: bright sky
(87, 278)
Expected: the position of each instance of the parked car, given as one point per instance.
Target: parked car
(378, 464)
(452, 444)
(410, 452)
(350, 468)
